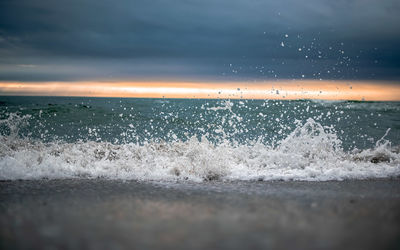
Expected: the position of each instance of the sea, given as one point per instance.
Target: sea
(197, 140)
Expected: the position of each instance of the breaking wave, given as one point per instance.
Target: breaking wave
(311, 152)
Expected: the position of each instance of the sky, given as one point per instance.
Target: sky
(199, 41)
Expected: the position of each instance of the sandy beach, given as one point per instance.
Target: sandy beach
(105, 214)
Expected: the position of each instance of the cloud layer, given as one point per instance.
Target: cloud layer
(45, 40)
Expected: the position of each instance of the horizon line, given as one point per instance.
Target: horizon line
(283, 90)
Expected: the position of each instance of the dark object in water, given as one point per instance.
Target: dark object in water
(212, 177)
(380, 158)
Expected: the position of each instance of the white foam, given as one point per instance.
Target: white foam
(311, 153)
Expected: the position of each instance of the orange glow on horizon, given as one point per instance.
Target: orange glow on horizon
(284, 89)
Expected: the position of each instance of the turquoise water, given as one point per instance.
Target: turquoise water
(346, 127)
(124, 120)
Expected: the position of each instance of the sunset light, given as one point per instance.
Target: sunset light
(290, 89)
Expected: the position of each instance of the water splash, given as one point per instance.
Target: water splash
(311, 152)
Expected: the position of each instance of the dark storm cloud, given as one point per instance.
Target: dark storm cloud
(214, 40)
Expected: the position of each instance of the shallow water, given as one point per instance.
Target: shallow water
(115, 214)
(197, 140)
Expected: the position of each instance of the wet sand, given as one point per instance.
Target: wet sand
(104, 214)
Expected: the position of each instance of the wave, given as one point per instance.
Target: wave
(360, 105)
(310, 153)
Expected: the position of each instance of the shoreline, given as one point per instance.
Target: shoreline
(104, 214)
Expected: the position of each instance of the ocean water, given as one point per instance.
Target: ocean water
(197, 139)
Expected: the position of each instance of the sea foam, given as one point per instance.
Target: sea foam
(311, 152)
